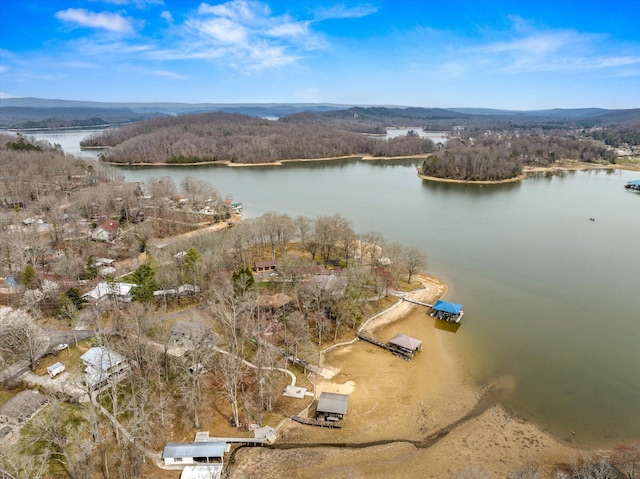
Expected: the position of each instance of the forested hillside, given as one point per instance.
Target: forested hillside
(224, 137)
(26, 118)
(494, 157)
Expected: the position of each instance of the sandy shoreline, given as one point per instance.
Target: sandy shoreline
(424, 418)
(528, 170)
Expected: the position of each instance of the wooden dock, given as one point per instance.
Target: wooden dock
(317, 422)
(407, 356)
(418, 302)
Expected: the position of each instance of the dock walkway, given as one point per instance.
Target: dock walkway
(417, 302)
(317, 422)
(389, 347)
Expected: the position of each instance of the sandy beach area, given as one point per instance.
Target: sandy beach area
(423, 418)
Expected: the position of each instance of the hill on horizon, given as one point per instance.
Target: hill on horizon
(30, 112)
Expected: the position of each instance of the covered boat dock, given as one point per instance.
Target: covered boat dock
(633, 185)
(447, 311)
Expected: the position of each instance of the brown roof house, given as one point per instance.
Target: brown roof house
(265, 266)
(107, 231)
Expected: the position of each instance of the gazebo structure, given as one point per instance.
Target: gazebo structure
(332, 406)
(406, 345)
(447, 311)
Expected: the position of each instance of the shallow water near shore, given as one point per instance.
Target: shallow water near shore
(552, 299)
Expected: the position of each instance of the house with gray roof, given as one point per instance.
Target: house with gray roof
(101, 365)
(210, 453)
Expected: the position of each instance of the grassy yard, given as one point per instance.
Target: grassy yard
(69, 357)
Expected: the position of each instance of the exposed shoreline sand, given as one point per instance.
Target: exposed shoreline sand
(558, 167)
(424, 418)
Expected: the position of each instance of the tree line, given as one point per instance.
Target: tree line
(226, 137)
(495, 157)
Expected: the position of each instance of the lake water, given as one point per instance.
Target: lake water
(552, 299)
(69, 140)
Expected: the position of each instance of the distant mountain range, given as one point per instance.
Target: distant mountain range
(50, 113)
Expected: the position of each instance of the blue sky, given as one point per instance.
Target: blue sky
(431, 53)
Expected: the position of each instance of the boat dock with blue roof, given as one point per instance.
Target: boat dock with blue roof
(447, 311)
(633, 185)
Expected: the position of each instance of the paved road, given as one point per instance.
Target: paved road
(55, 336)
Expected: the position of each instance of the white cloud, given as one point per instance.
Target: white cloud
(531, 50)
(342, 11)
(247, 34)
(76, 64)
(222, 30)
(167, 74)
(167, 16)
(236, 10)
(289, 29)
(5, 95)
(112, 22)
(137, 3)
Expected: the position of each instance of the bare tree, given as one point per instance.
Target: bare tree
(20, 338)
(414, 261)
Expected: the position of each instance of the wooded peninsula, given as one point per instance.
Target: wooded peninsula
(489, 148)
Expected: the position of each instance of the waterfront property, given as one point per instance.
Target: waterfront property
(447, 311)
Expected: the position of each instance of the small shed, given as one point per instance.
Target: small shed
(194, 453)
(56, 369)
(447, 311)
(332, 406)
(406, 343)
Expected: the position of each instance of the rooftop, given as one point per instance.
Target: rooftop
(333, 403)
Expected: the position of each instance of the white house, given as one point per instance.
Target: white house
(210, 453)
(117, 291)
(101, 365)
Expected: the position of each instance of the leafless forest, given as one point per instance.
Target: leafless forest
(235, 138)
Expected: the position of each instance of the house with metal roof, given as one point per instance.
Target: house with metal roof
(177, 453)
(117, 291)
(332, 406)
(101, 365)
